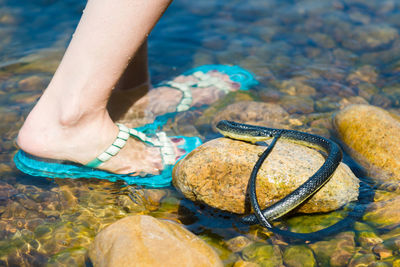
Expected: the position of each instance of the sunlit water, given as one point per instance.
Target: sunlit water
(320, 43)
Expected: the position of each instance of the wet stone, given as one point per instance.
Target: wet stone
(382, 251)
(149, 241)
(366, 90)
(270, 95)
(32, 83)
(297, 256)
(295, 87)
(370, 37)
(305, 223)
(25, 97)
(323, 40)
(327, 103)
(335, 252)
(360, 127)
(360, 259)
(242, 263)
(238, 243)
(382, 101)
(297, 104)
(262, 254)
(14, 210)
(366, 236)
(385, 56)
(384, 212)
(256, 113)
(367, 74)
(352, 100)
(208, 115)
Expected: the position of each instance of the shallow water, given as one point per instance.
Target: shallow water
(345, 50)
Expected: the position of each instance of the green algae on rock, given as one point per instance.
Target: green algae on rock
(263, 254)
(299, 256)
(217, 174)
(372, 137)
(335, 252)
(384, 212)
(145, 241)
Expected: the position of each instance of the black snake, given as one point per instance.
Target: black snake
(251, 133)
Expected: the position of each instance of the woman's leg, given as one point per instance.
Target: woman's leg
(70, 121)
(131, 86)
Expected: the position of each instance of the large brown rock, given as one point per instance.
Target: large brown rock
(217, 173)
(145, 241)
(372, 137)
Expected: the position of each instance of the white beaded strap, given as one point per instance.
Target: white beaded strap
(186, 99)
(162, 141)
(205, 80)
(112, 150)
(166, 148)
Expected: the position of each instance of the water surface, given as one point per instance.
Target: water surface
(346, 50)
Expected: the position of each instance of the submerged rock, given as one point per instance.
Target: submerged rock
(300, 256)
(372, 137)
(217, 173)
(370, 37)
(263, 254)
(256, 113)
(384, 212)
(145, 241)
(297, 104)
(335, 252)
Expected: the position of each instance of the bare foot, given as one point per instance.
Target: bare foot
(165, 99)
(82, 138)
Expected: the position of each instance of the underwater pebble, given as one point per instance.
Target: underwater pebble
(366, 90)
(366, 236)
(238, 243)
(265, 255)
(381, 101)
(297, 104)
(256, 113)
(242, 263)
(336, 252)
(298, 256)
(370, 37)
(361, 260)
(367, 74)
(296, 88)
(32, 83)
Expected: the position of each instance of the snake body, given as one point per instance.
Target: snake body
(251, 133)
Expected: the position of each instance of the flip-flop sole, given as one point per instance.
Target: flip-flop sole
(48, 168)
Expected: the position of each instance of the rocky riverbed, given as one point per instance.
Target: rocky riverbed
(325, 67)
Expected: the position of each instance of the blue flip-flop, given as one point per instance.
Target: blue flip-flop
(244, 78)
(36, 166)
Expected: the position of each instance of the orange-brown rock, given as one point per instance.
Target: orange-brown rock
(217, 174)
(372, 137)
(142, 240)
(256, 113)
